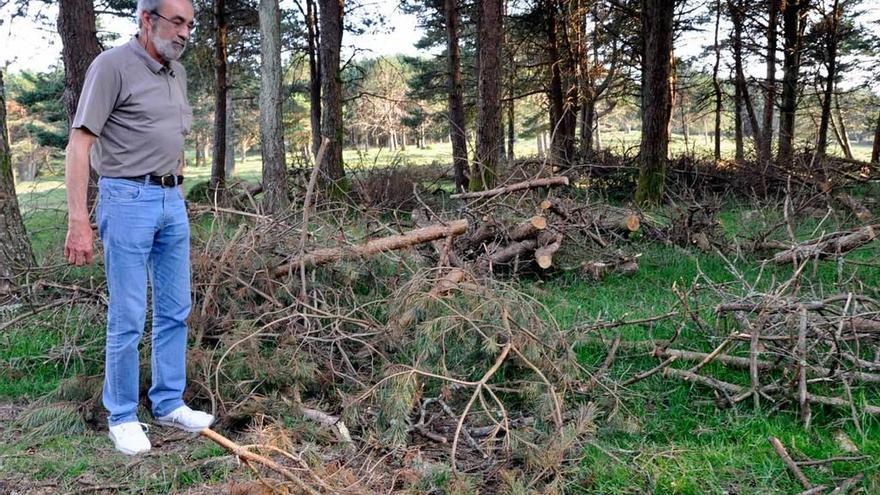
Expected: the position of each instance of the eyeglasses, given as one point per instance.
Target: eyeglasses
(178, 23)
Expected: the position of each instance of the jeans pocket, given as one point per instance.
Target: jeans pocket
(123, 192)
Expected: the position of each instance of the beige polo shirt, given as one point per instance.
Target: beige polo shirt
(138, 109)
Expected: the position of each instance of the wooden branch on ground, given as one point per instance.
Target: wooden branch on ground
(789, 462)
(519, 186)
(248, 456)
(733, 389)
(832, 245)
(327, 255)
(745, 363)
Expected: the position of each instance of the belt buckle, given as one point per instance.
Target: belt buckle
(162, 180)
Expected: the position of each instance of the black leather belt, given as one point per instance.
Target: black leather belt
(169, 180)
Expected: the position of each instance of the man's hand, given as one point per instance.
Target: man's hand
(79, 242)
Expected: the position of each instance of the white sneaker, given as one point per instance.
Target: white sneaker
(129, 438)
(186, 419)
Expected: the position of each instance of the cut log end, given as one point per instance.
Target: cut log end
(631, 223)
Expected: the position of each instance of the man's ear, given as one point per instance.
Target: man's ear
(146, 20)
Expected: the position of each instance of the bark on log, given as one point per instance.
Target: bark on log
(529, 228)
(506, 254)
(828, 245)
(447, 255)
(519, 186)
(544, 254)
(485, 232)
(418, 236)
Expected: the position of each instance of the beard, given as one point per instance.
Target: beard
(169, 49)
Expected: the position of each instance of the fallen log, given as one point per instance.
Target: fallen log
(484, 232)
(830, 245)
(544, 254)
(624, 221)
(529, 228)
(507, 254)
(414, 237)
(519, 186)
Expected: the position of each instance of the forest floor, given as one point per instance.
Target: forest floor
(664, 437)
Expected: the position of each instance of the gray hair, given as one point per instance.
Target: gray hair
(146, 6)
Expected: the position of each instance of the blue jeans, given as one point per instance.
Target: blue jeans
(145, 232)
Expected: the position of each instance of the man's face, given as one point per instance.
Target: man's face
(170, 27)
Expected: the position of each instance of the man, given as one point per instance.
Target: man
(130, 123)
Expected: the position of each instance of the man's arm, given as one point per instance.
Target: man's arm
(78, 245)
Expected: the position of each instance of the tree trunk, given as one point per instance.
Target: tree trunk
(275, 197)
(511, 135)
(229, 166)
(79, 40)
(558, 118)
(736, 44)
(314, 74)
(657, 24)
(221, 89)
(200, 151)
(875, 151)
(15, 247)
(489, 26)
(457, 131)
(842, 135)
(716, 83)
(791, 20)
(330, 14)
(770, 93)
(830, 51)
(588, 117)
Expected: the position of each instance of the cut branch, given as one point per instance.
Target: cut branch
(519, 186)
(414, 237)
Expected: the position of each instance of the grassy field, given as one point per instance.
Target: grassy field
(662, 436)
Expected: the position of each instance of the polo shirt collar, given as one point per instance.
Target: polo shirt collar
(153, 64)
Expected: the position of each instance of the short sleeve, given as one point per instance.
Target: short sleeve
(99, 95)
